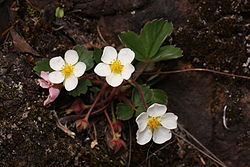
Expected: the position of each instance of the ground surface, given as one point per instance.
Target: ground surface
(213, 34)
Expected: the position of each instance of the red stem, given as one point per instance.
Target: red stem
(112, 94)
(199, 69)
(87, 76)
(128, 102)
(96, 100)
(140, 94)
(110, 123)
(138, 72)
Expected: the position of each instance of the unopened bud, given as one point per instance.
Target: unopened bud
(81, 125)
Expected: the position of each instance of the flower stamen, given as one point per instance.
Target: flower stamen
(153, 123)
(116, 67)
(68, 70)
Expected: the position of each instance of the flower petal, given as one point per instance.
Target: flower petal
(71, 57)
(79, 69)
(169, 120)
(161, 135)
(102, 69)
(127, 71)
(114, 79)
(53, 94)
(126, 56)
(56, 77)
(142, 121)
(109, 55)
(44, 75)
(156, 110)
(43, 83)
(56, 63)
(70, 83)
(144, 136)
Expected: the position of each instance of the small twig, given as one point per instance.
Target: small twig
(199, 69)
(100, 34)
(201, 151)
(197, 141)
(8, 29)
(152, 154)
(63, 128)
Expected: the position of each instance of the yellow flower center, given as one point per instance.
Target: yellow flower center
(68, 70)
(153, 123)
(116, 67)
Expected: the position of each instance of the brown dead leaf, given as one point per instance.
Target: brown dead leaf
(21, 45)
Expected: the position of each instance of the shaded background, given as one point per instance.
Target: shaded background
(213, 34)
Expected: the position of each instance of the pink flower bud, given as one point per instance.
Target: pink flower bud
(116, 144)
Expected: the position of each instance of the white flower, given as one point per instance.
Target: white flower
(115, 67)
(66, 71)
(155, 123)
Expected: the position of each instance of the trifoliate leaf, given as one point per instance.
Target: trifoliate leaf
(85, 56)
(124, 111)
(167, 53)
(148, 42)
(42, 65)
(81, 88)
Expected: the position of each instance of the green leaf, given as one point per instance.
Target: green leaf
(146, 93)
(147, 44)
(81, 88)
(158, 96)
(59, 13)
(139, 110)
(124, 111)
(151, 96)
(85, 56)
(167, 53)
(132, 41)
(154, 34)
(97, 55)
(42, 65)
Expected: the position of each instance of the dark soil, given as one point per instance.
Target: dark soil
(213, 34)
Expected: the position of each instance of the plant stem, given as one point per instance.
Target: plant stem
(138, 87)
(110, 123)
(96, 100)
(199, 69)
(112, 94)
(139, 72)
(113, 112)
(128, 102)
(87, 76)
